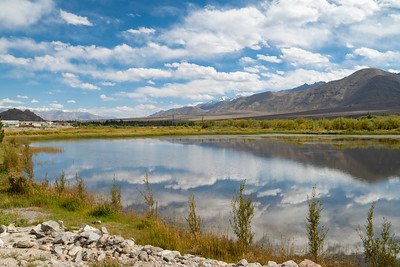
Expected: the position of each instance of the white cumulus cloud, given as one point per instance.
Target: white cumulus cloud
(73, 19)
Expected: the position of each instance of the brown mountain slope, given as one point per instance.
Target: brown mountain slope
(364, 89)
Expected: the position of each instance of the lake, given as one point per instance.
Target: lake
(280, 171)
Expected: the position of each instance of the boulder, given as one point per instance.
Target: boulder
(1, 243)
(65, 238)
(143, 256)
(289, 264)
(50, 227)
(242, 262)
(3, 229)
(90, 237)
(74, 250)
(11, 228)
(308, 263)
(272, 264)
(37, 231)
(24, 244)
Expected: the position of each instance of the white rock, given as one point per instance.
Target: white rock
(3, 229)
(289, 264)
(1, 243)
(272, 264)
(64, 238)
(104, 230)
(50, 227)
(242, 262)
(74, 250)
(11, 228)
(308, 263)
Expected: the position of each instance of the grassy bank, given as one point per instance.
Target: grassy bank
(75, 206)
(370, 125)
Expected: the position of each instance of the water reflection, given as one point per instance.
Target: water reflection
(280, 172)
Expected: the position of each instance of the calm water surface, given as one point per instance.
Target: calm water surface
(280, 171)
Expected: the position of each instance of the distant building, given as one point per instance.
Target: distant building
(10, 123)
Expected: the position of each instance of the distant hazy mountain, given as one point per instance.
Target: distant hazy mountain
(366, 89)
(59, 115)
(16, 114)
(192, 110)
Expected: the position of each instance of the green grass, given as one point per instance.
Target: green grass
(369, 125)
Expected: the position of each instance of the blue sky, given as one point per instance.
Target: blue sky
(126, 58)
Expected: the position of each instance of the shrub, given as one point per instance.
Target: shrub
(1, 132)
(194, 221)
(116, 197)
(27, 161)
(18, 185)
(104, 211)
(148, 198)
(242, 215)
(80, 187)
(315, 232)
(60, 186)
(71, 205)
(379, 251)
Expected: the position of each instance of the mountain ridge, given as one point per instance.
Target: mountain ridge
(364, 89)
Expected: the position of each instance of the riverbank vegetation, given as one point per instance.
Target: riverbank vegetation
(116, 129)
(71, 203)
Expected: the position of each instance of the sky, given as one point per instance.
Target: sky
(128, 58)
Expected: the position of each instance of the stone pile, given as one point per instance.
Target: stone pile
(48, 244)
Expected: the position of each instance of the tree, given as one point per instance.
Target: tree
(315, 231)
(379, 251)
(1, 132)
(242, 215)
(194, 221)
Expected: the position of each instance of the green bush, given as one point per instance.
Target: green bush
(18, 185)
(102, 211)
(242, 215)
(71, 205)
(379, 251)
(315, 231)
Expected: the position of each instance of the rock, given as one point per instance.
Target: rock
(255, 264)
(143, 256)
(24, 244)
(88, 228)
(272, 264)
(242, 263)
(90, 236)
(289, 264)
(65, 238)
(308, 263)
(58, 250)
(37, 231)
(74, 250)
(103, 240)
(3, 229)
(78, 257)
(50, 227)
(8, 262)
(104, 230)
(1, 243)
(127, 246)
(11, 228)
(46, 247)
(168, 255)
(101, 257)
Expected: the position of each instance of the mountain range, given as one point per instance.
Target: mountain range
(16, 114)
(59, 115)
(365, 90)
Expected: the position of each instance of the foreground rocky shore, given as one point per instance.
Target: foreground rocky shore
(49, 244)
